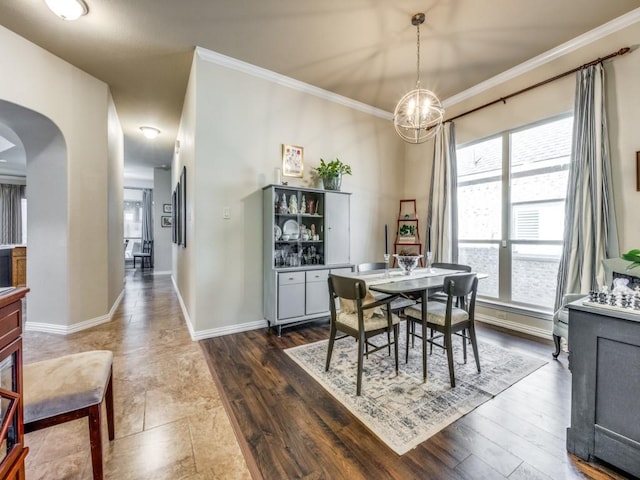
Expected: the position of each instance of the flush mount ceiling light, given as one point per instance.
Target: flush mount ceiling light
(150, 132)
(418, 115)
(68, 9)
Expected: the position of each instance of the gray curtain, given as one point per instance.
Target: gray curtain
(442, 221)
(147, 214)
(590, 233)
(11, 214)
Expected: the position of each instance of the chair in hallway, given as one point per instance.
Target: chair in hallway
(145, 255)
(71, 387)
(449, 319)
(360, 320)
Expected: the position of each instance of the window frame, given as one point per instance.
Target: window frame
(507, 241)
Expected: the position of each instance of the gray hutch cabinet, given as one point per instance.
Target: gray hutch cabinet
(306, 237)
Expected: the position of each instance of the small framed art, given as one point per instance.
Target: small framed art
(292, 160)
(166, 208)
(166, 221)
(638, 171)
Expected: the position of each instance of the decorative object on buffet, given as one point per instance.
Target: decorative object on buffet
(419, 114)
(292, 161)
(331, 173)
(303, 205)
(407, 263)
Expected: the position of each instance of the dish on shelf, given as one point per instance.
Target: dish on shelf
(291, 227)
(277, 232)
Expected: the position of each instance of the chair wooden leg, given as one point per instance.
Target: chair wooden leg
(474, 345)
(395, 345)
(361, 341)
(449, 347)
(332, 338)
(464, 346)
(389, 341)
(556, 342)
(431, 344)
(406, 349)
(95, 422)
(109, 404)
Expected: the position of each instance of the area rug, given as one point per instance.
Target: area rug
(402, 410)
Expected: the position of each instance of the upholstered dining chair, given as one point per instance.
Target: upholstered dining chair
(440, 295)
(360, 317)
(449, 319)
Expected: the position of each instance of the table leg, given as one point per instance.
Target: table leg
(424, 335)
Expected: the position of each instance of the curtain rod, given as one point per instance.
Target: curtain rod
(622, 51)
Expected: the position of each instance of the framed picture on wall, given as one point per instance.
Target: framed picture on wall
(292, 160)
(174, 222)
(166, 208)
(638, 171)
(165, 222)
(183, 208)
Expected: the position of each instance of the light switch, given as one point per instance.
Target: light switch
(226, 213)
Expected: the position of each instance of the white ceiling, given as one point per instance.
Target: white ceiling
(362, 49)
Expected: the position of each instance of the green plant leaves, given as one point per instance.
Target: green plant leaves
(632, 256)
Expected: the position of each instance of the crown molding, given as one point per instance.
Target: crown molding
(580, 41)
(263, 73)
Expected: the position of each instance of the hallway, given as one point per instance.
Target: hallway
(170, 422)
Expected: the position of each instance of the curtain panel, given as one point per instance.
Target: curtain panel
(147, 215)
(590, 233)
(11, 214)
(442, 221)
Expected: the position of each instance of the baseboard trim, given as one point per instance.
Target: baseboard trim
(183, 307)
(167, 272)
(221, 331)
(515, 326)
(76, 327)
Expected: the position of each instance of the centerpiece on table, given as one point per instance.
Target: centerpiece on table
(331, 173)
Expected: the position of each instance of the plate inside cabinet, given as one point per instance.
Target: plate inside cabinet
(277, 232)
(291, 227)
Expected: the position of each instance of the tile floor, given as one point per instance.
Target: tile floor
(170, 421)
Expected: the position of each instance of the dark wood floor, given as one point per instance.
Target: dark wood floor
(293, 428)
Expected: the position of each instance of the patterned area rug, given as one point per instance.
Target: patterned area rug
(402, 410)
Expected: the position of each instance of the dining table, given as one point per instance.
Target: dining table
(416, 285)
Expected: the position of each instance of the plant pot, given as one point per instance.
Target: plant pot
(332, 183)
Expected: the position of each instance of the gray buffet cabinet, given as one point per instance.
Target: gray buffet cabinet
(605, 385)
(303, 242)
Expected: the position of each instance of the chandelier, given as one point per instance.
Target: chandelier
(418, 115)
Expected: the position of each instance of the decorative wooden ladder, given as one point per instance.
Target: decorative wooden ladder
(408, 244)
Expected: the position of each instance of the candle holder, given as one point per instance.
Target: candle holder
(386, 265)
(428, 260)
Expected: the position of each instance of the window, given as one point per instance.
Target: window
(511, 195)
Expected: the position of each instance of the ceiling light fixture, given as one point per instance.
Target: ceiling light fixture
(418, 115)
(150, 132)
(68, 9)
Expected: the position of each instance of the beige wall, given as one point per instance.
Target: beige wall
(115, 202)
(79, 107)
(239, 122)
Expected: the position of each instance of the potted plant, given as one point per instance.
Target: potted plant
(407, 233)
(331, 173)
(632, 256)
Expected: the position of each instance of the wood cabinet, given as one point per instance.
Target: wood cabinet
(604, 362)
(19, 266)
(304, 240)
(12, 448)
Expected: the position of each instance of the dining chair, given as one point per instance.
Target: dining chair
(360, 320)
(449, 319)
(399, 303)
(145, 255)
